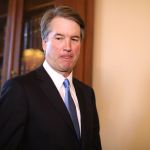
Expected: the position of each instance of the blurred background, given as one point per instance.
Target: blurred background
(20, 37)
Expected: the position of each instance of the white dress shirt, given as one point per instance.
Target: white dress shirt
(58, 80)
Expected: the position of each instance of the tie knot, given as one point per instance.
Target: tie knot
(66, 83)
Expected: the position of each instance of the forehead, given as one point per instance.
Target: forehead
(64, 25)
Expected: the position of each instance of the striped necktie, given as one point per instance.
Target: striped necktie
(71, 107)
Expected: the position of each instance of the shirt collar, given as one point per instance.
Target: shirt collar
(57, 78)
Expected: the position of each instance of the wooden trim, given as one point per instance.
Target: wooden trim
(88, 53)
(12, 39)
(8, 41)
(45, 5)
(15, 70)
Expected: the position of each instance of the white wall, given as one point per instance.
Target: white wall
(121, 73)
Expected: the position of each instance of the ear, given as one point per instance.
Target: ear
(44, 44)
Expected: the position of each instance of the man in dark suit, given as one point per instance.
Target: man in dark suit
(33, 110)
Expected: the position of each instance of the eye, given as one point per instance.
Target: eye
(75, 39)
(59, 38)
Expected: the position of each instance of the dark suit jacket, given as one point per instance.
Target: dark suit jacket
(34, 117)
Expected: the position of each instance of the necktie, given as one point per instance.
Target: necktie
(71, 107)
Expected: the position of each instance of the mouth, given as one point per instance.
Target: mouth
(67, 57)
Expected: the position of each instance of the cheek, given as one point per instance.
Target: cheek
(57, 45)
(76, 49)
(51, 48)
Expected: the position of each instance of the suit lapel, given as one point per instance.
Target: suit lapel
(50, 90)
(83, 111)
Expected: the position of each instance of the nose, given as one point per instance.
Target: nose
(67, 46)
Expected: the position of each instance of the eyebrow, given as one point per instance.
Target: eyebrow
(58, 34)
(74, 36)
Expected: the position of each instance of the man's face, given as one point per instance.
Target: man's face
(62, 46)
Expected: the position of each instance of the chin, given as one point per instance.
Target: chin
(69, 70)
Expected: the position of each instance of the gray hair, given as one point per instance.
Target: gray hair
(61, 11)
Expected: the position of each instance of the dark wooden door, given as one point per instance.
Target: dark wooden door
(22, 11)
